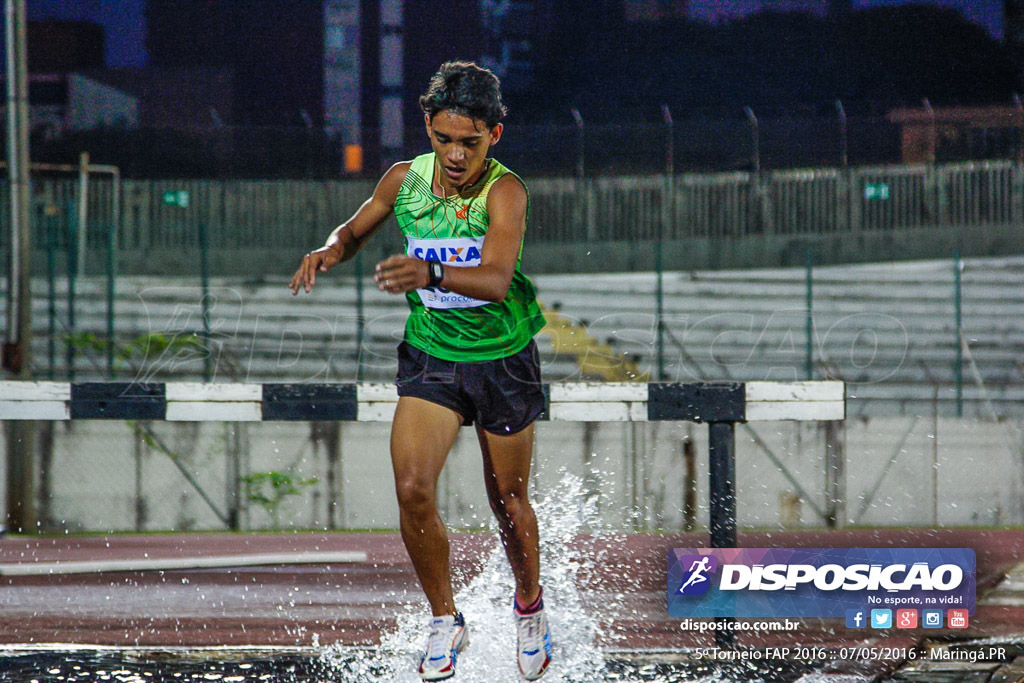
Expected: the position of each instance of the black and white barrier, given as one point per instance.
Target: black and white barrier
(567, 402)
(720, 404)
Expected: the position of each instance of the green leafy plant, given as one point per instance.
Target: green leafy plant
(270, 489)
(143, 348)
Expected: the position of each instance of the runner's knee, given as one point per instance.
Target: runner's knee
(509, 506)
(414, 495)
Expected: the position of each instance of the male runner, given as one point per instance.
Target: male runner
(468, 354)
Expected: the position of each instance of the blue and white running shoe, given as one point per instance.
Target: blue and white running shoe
(533, 642)
(448, 637)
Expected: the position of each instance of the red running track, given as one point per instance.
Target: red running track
(353, 604)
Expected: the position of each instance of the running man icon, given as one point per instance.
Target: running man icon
(697, 573)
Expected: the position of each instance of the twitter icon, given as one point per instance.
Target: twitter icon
(881, 618)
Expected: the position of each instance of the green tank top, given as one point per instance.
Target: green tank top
(452, 230)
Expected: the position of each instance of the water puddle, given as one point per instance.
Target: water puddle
(355, 666)
(486, 601)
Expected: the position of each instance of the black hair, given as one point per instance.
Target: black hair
(467, 89)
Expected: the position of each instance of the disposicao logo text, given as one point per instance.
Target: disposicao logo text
(819, 582)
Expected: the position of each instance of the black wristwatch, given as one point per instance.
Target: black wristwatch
(436, 273)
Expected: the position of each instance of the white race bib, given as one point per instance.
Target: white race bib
(457, 252)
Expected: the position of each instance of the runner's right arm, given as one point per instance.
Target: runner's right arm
(348, 238)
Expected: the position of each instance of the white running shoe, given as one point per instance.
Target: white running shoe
(448, 637)
(533, 643)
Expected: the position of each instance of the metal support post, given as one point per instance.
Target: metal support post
(204, 304)
(722, 468)
(51, 295)
(755, 141)
(360, 316)
(72, 265)
(835, 474)
(81, 244)
(235, 437)
(591, 483)
(809, 336)
(111, 248)
(584, 226)
(328, 435)
(141, 448)
(958, 367)
(689, 484)
(932, 131)
(844, 159)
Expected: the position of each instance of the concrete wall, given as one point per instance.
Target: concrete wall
(895, 468)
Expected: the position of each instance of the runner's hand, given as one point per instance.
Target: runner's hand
(400, 273)
(322, 260)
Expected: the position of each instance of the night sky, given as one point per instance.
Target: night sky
(124, 20)
(988, 13)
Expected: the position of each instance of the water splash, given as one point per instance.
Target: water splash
(564, 513)
(487, 603)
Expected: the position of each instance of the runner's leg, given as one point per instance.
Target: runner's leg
(421, 436)
(506, 475)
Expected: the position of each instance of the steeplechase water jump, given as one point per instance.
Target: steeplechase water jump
(443, 449)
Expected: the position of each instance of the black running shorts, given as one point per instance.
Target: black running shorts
(503, 396)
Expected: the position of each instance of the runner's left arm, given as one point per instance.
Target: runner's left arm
(506, 208)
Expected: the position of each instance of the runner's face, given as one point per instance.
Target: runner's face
(460, 145)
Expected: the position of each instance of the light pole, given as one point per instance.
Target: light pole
(754, 139)
(583, 224)
(578, 120)
(667, 215)
(843, 158)
(16, 357)
(932, 136)
(1019, 124)
(16, 348)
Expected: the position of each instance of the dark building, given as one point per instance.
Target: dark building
(434, 34)
(275, 48)
(380, 55)
(656, 10)
(357, 67)
(837, 9)
(55, 50)
(60, 47)
(1013, 32)
(181, 98)
(947, 134)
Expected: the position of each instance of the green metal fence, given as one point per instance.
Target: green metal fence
(296, 214)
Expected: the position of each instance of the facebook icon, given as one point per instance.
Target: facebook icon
(855, 618)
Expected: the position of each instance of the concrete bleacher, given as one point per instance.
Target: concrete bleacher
(888, 329)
